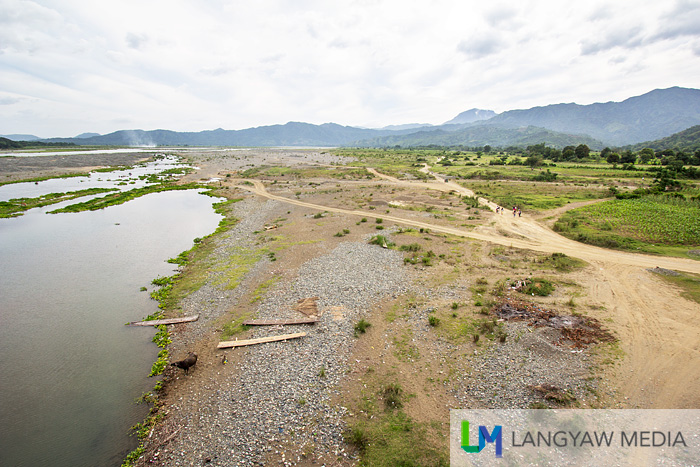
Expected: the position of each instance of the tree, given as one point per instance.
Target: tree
(628, 157)
(582, 151)
(533, 161)
(645, 155)
(604, 153)
(613, 158)
(568, 153)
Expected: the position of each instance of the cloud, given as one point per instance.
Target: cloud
(136, 41)
(500, 16)
(629, 38)
(6, 100)
(480, 47)
(683, 20)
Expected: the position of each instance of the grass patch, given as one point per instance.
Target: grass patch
(233, 328)
(394, 439)
(381, 240)
(538, 286)
(122, 197)
(17, 206)
(561, 262)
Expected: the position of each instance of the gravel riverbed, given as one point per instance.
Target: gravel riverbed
(282, 391)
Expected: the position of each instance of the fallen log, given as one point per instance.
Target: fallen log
(278, 322)
(158, 322)
(260, 340)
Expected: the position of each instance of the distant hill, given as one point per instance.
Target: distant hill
(686, 140)
(289, 134)
(471, 115)
(6, 143)
(406, 126)
(653, 115)
(21, 137)
(482, 135)
(87, 135)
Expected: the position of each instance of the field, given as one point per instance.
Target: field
(649, 223)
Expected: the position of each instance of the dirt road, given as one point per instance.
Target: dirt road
(659, 331)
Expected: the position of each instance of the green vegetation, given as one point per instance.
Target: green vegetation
(648, 223)
(122, 197)
(6, 143)
(361, 327)
(394, 439)
(381, 240)
(235, 327)
(538, 286)
(561, 262)
(16, 207)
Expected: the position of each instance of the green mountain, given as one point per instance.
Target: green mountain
(482, 135)
(686, 140)
(653, 115)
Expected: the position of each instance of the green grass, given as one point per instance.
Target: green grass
(122, 197)
(16, 207)
(648, 224)
(394, 439)
(560, 262)
(537, 196)
(234, 327)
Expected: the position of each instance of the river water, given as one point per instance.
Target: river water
(70, 370)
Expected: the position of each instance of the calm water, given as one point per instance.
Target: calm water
(70, 370)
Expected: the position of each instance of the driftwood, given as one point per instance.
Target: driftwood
(158, 322)
(260, 340)
(278, 322)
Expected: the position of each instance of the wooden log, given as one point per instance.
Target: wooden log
(158, 322)
(278, 322)
(260, 340)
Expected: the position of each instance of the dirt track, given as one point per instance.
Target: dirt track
(659, 331)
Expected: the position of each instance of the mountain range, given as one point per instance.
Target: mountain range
(654, 115)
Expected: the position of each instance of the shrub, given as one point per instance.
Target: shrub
(361, 327)
(433, 320)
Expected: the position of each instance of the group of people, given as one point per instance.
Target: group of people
(516, 210)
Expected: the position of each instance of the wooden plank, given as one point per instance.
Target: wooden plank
(260, 340)
(158, 322)
(278, 322)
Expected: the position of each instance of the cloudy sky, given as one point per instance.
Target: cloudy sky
(73, 66)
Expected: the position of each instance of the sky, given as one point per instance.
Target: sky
(74, 66)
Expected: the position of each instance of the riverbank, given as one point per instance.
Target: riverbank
(299, 402)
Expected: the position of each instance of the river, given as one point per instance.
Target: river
(70, 370)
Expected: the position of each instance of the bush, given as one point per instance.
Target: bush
(361, 327)
(538, 286)
(433, 320)
(381, 240)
